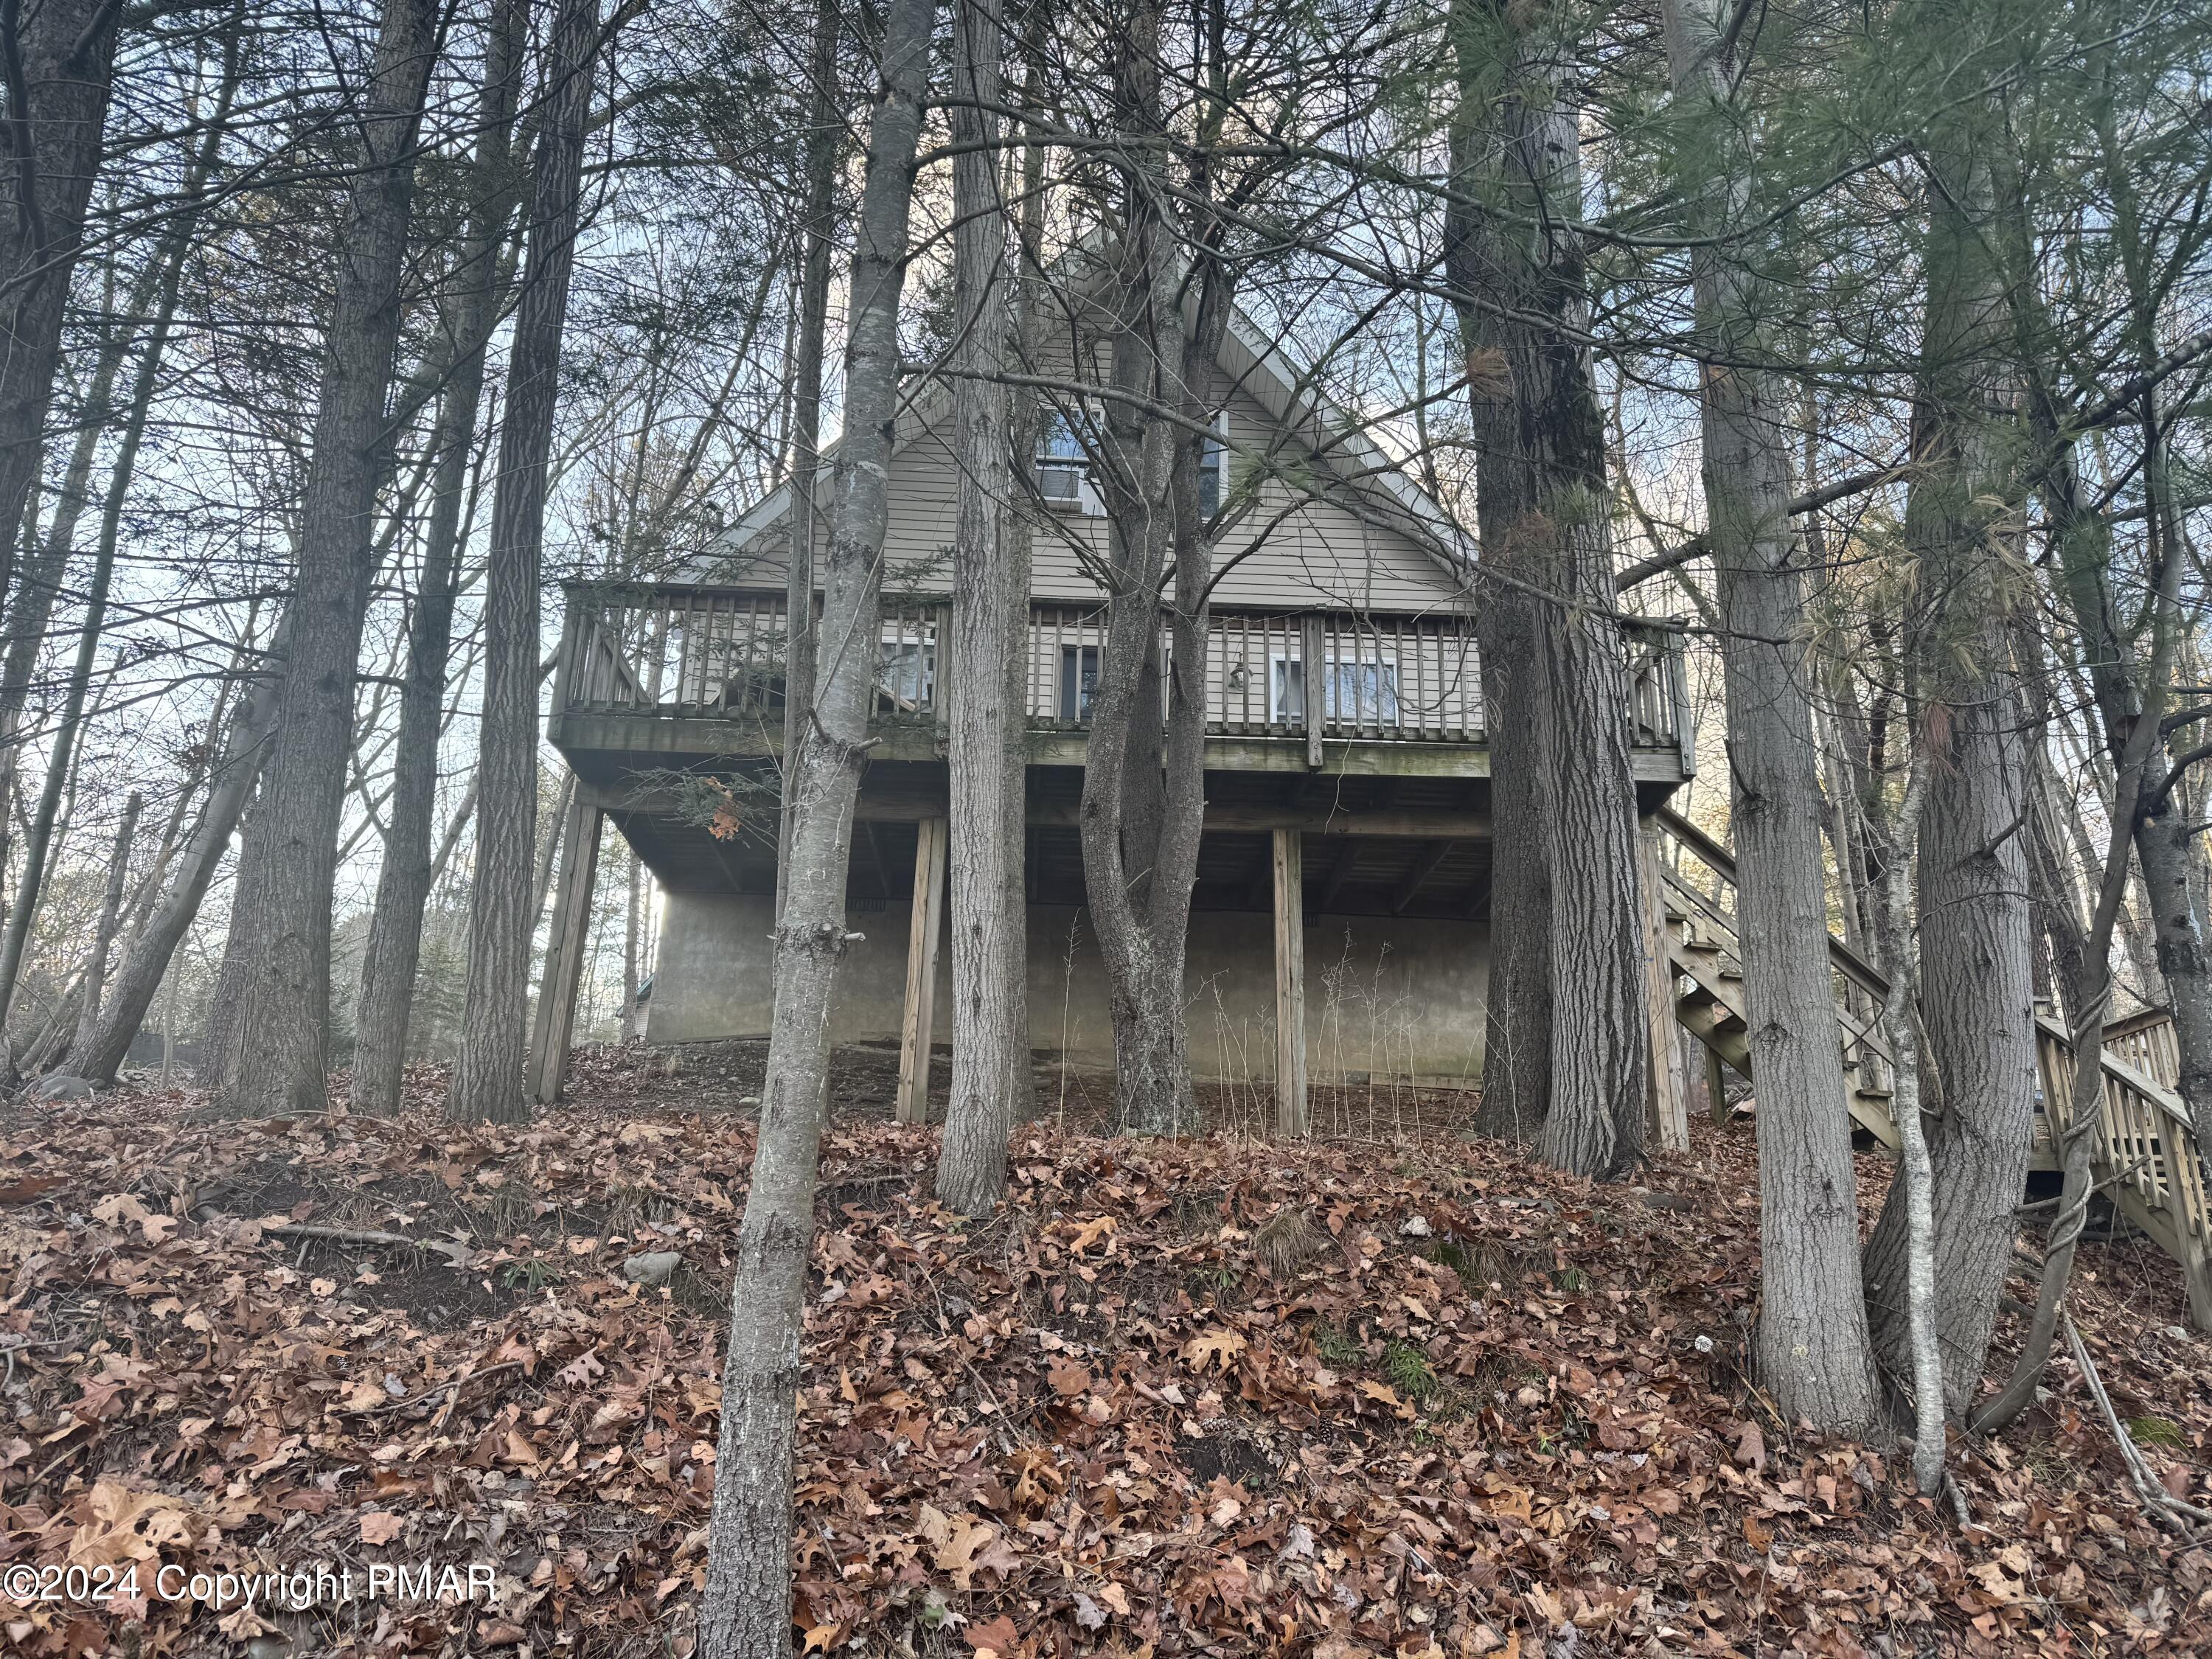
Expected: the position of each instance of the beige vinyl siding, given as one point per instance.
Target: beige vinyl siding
(1315, 556)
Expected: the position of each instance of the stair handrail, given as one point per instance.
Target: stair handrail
(1716, 857)
(2154, 1168)
(2158, 1161)
(2170, 1104)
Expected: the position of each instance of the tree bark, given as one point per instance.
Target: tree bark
(1977, 1001)
(60, 65)
(824, 141)
(1812, 1346)
(987, 676)
(276, 1025)
(746, 1612)
(403, 884)
(1517, 1062)
(1916, 1174)
(1145, 783)
(1564, 796)
(487, 1084)
(2090, 994)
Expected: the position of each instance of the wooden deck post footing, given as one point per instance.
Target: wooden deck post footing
(554, 1024)
(1291, 1111)
(923, 932)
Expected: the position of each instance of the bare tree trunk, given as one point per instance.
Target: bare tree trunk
(1977, 1000)
(990, 660)
(1812, 1345)
(1517, 1062)
(403, 884)
(1543, 507)
(1916, 1174)
(60, 59)
(1144, 784)
(825, 140)
(275, 1027)
(488, 1075)
(147, 960)
(2137, 766)
(111, 908)
(746, 1612)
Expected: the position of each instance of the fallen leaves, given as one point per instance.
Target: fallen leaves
(377, 1527)
(1111, 1421)
(1216, 1347)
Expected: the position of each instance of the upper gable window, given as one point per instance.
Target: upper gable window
(1063, 467)
(1212, 468)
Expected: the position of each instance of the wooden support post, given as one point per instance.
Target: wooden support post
(940, 672)
(554, 1021)
(2196, 1267)
(1290, 1119)
(922, 933)
(1717, 1100)
(1670, 1114)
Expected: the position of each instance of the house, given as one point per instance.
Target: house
(1347, 769)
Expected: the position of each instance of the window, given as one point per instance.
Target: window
(1078, 680)
(1063, 469)
(1212, 469)
(1354, 693)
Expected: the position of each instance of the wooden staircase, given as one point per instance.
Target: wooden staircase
(2146, 1161)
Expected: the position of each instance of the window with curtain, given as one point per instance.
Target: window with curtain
(1356, 692)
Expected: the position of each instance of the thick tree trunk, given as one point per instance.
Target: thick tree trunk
(1517, 1062)
(275, 1027)
(1143, 787)
(1812, 1345)
(488, 1075)
(746, 1612)
(987, 675)
(1977, 1001)
(61, 58)
(403, 884)
(147, 960)
(1542, 509)
(103, 933)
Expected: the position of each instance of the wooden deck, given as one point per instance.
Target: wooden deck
(658, 674)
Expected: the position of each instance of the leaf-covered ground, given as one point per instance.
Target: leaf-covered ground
(1418, 1398)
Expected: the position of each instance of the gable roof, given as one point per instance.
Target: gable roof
(1367, 479)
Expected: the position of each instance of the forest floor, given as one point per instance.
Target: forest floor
(1408, 1396)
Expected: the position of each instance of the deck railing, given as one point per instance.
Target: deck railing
(2145, 1154)
(719, 652)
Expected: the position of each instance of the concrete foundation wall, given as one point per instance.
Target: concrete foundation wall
(1385, 997)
